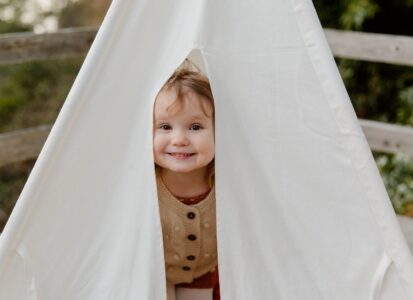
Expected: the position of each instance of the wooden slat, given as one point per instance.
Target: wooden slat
(373, 47)
(388, 137)
(21, 47)
(23, 144)
(26, 144)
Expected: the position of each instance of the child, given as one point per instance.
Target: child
(184, 151)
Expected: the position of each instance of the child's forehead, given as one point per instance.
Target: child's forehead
(185, 111)
(169, 96)
(165, 99)
(191, 105)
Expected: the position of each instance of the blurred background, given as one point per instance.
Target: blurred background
(33, 91)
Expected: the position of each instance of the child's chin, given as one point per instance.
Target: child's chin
(182, 170)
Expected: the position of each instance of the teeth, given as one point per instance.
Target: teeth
(181, 154)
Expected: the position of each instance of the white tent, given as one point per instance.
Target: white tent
(302, 211)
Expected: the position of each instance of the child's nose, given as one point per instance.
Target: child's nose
(180, 138)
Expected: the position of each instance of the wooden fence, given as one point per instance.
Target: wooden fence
(20, 47)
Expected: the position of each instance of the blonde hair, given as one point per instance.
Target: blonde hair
(189, 78)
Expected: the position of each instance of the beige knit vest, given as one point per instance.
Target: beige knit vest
(189, 235)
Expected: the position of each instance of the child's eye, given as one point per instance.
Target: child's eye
(165, 126)
(196, 127)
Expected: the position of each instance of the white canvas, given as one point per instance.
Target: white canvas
(302, 211)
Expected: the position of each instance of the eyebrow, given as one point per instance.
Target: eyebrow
(201, 117)
(159, 121)
(197, 117)
(161, 116)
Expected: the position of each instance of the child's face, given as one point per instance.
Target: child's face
(183, 140)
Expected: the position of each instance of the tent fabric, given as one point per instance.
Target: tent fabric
(302, 212)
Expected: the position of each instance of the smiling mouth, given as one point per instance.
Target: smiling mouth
(180, 155)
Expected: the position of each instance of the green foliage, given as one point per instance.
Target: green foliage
(32, 93)
(405, 111)
(24, 83)
(381, 16)
(6, 27)
(378, 91)
(12, 179)
(397, 173)
(8, 106)
(356, 12)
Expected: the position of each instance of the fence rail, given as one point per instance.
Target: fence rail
(373, 47)
(388, 138)
(22, 144)
(27, 46)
